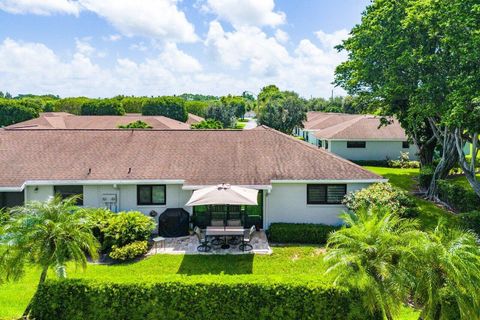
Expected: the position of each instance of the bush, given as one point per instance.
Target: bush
(425, 177)
(459, 198)
(197, 299)
(12, 112)
(129, 251)
(403, 162)
(207, 124)
(170, 107)
(383, 196)
(98, 220)
(139, 124)
(126, 227)
(198, 108)
(222, 113)
(300, 233)
(471, 221)
(102, 107)
(132, 104)
(372, 163)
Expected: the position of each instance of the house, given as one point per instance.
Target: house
(64, 120)
(153, 170)
(357, 137)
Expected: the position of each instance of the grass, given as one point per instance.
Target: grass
(462, 181)
(243, 120)
(288, 261)
(240, 125)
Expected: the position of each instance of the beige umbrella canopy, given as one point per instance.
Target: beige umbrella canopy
(223, 194)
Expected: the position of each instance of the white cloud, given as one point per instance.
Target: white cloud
(150, 18)
(40, 7)
(249, 45)
(247, 12)
(245, 59)
(177, 60)
(330, 40)
(281, 36)
(112, 37)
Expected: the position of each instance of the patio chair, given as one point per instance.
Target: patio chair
(247, 238)
(203, 247)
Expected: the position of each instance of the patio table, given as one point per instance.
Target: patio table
(219, 231)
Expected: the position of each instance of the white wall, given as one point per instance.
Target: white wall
(374, 150)
(287, 202)
(126, 197)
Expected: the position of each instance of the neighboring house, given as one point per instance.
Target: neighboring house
(357, 137)
(193, 118)
(149, 170)
(63, 120)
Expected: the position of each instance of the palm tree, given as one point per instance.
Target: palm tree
(47, 234)
(448, 275)
(371, 253)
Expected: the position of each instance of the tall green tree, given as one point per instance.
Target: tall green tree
(283, 111)
(171, 107)
(221, 112)
(45, 234)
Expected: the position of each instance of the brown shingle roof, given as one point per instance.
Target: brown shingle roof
(63, 120)
(200, 157)
(193, 118)
(351, 127)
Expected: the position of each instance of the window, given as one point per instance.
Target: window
(151, 194)
(326, 144)
(11, 199)
(405, 145)
(68, 191)
(356, 144)
(326, 193)
(319, 143)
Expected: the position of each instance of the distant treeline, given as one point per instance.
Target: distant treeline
(225, 110)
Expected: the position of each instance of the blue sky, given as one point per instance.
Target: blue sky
(101, 48)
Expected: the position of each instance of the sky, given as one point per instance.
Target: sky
(101, 48)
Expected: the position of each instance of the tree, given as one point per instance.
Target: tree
(11, 112)
(198, 108)
(47, 234)
(102, 107)
(283, 111)
(139, 124)
(267, 93)
(222, 113)
(207, 124)
(237, 104)
(170, 107)
(447, 274)
(372, 253)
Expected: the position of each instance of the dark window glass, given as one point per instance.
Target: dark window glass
(319, 143)
(68, 191)
(326, 144)
(325, 193)
(405, 145)
(11, 199)
(356, 144)
(151, 195)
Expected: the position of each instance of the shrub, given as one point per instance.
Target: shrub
(425, 177)
(300, 233)
(383, 196)
(129, 251)
(459, 198)
(372, 163)
(207, 124)
(132, 104)
(98, 220)
(222, 113)
(12, 112)
(197, 299)
(403, 162)
(127, 227)
(198, 108)
(171, 107)
(102, 107)
(139, 124)
(471, 221)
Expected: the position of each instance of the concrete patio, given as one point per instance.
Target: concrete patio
(189, 244)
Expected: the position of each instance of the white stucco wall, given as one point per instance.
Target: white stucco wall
(287, 202)
(374, 150)
(126, 197)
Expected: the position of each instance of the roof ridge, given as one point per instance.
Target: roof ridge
(313, 148)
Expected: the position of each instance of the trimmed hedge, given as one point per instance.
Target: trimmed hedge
(170, 107)
(300, 233)
(129, 251)
(459, 198)
(242, 299)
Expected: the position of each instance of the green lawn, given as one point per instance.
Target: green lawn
(240, 125)
(463, 182)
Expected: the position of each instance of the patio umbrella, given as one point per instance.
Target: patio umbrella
(223, 194)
